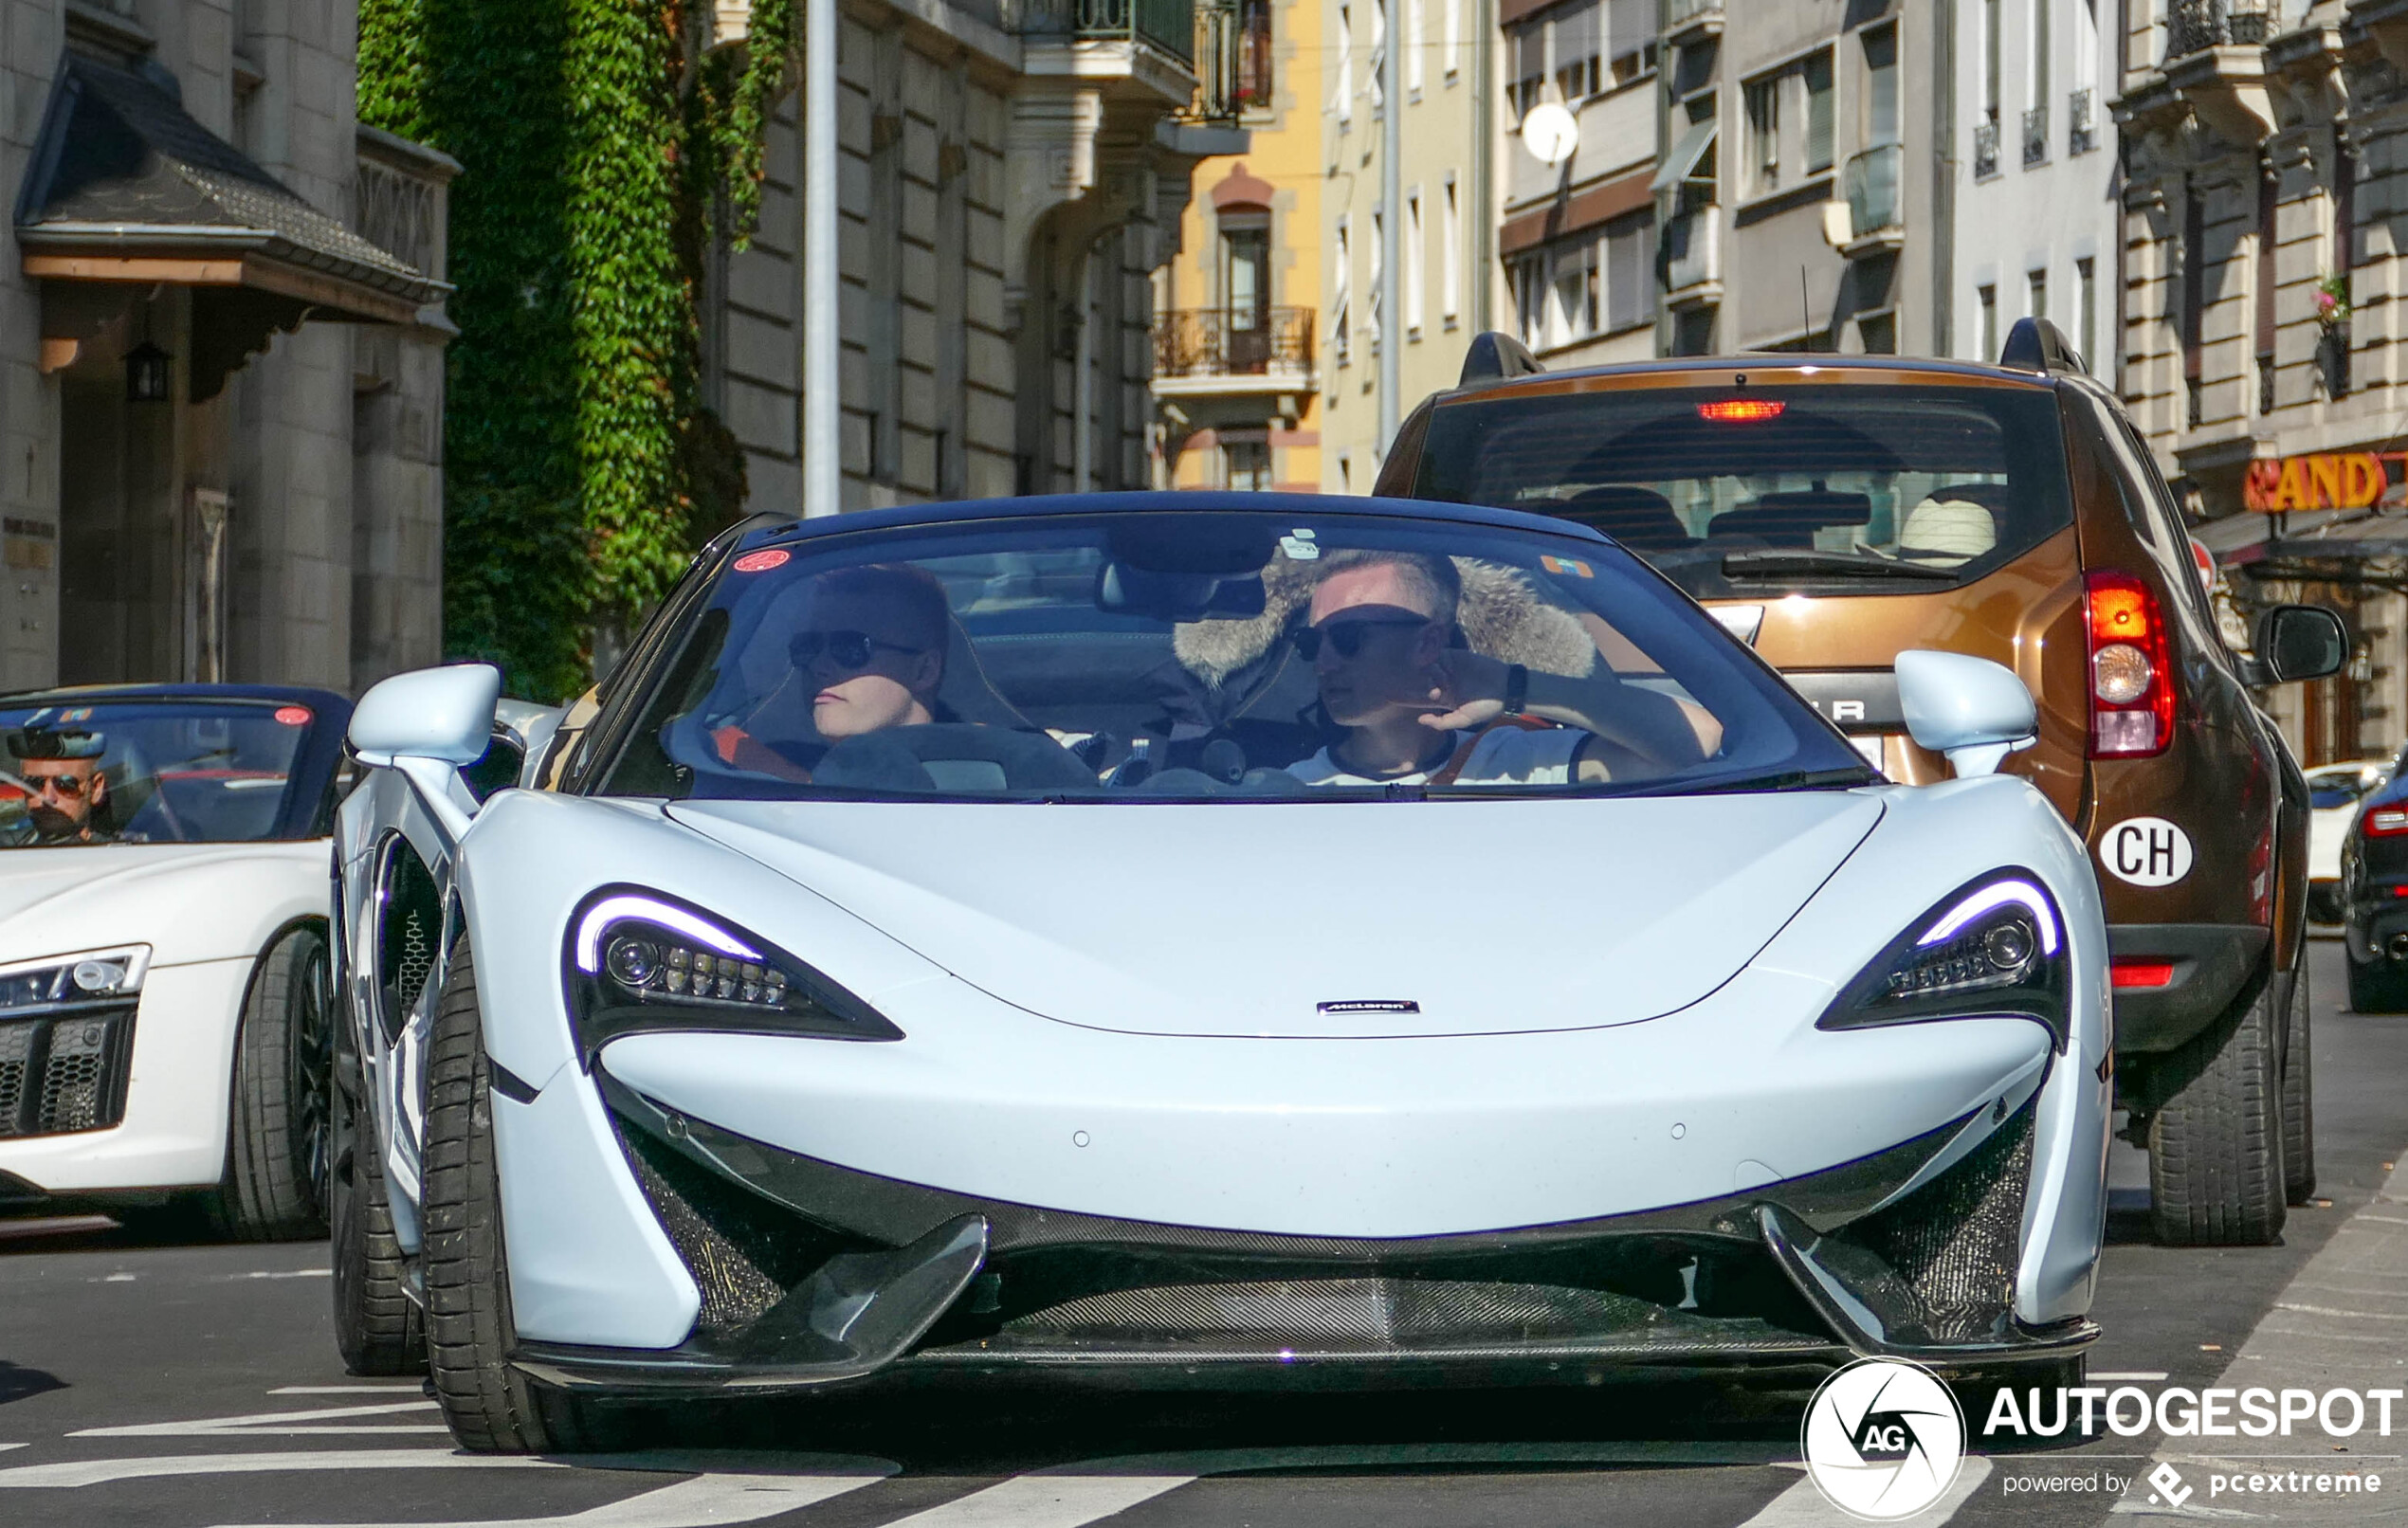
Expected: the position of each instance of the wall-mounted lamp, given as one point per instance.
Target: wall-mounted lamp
(150, 374)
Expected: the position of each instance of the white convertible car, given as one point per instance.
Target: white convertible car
(1207, 940)
(164, 862)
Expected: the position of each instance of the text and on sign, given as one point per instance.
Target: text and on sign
(2321, 480)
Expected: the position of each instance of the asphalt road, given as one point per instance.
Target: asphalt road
(185, 1386)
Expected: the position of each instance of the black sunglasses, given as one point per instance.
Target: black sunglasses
(70, 786)
(1346, 636)
(850, 650)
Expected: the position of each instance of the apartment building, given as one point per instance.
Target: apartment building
(1236, 351)
(1012, 172)
(1449, 281)
(2036, 216)
(1577, 238)
(2267, 148)
(221, 352)
(1803, 194)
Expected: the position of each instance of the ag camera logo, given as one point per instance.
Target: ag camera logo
(1882, 1439)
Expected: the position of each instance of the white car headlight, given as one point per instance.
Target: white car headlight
(1996, 946)
(65, 982)
(639, 960)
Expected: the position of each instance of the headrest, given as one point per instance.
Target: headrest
(1634, 516)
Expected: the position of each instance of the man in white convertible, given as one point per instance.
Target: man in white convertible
(1419, 711)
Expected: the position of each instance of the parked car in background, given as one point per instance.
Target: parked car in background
(2373, 898)
(2333, 793)
(1836, 510)
(164, 1034)
(981, 939)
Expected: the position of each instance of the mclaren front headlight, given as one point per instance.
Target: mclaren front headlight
(1995, 947)
(638, 960)
(69, 983)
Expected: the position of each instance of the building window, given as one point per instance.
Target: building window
(1254, 54)
(1528, 46)
(1375, 67)
(1414, 262)
(1342, 94)
(1630, 39)
(1600, 282)
(1528, 278)
(1452, 40)
(2194, 305)
(1993, 44)
(1414, 48)
(1341, 308)
(1246, 460)
(1878, 333)
(2265, 263)
(1986, 300)
(1764, 135)
(2085, 309)
(1575, 51)
(1450, 255)
(1374, 321)
(1245, 288)
(1693, 332)
(1820, 102)
(1881, 88)
(2035, 293)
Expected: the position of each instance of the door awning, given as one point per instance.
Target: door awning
(124, 187)
(1685, 155)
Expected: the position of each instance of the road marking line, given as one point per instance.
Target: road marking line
(2149, 1375)
(1803, 1505)
(1045, 1501)
(100, 1471)
(413, 1388)
(2355, 1315)
(295, 1273)
(259, 1423)
(704, 1501)
(5, 1447)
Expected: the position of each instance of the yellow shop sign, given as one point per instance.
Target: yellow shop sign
(2326, 480)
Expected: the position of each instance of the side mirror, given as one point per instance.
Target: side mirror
(427, 726)
(1974, 711)
(2296, 642)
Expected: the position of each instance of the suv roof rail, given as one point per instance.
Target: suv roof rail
(1495, 356)
(2038, 345)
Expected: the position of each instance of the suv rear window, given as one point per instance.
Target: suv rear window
(1737, 492)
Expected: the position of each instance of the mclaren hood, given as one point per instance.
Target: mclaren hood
(1361, 919)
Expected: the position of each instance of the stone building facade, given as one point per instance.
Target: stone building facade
(221, 338)
(2267, 148)
(1012, 173)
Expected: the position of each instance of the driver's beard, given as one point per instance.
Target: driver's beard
(52, 826)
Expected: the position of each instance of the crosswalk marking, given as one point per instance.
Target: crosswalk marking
(264, 1424)
(100, 1471)
(703, 1501)
(1045, 1501)
(1803, 1505)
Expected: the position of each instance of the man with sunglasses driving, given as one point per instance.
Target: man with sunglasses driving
(1418, 710)
(868, 654)
(70, 794)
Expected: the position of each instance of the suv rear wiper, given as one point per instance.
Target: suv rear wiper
(1775, 563)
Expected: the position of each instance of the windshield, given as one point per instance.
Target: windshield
(148, 772)
(2341, 787)
(1207, 655)
(1740, 492)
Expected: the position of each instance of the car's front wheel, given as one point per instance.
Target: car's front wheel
(2375, 986)
(491, 1408)
(2299, 1094)
(377, 1326)
(275, 1186)
(2216, 1141)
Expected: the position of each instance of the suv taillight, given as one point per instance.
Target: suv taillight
(2131, 669)
(2386, 822)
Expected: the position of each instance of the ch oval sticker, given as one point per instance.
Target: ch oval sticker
(2145, 851)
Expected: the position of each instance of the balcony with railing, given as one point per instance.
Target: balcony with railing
(2193, 25)
(1166, 26)
(2081, 122)
(1208, 353)
(1690, 256)
(1687, 22)
(1985, 150)
(1869, 181)
(2035, 133)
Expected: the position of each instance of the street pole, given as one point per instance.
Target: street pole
(823, 318)
(1392, 219)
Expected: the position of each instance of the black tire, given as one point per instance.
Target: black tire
(2299, 1094)
(2376, 988)
(2215, 1145)
(491, 1408)
(379, 1328)
(275, 1187)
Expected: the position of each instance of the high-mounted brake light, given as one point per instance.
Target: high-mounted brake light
(2123, 973)
(2131, 669)
(1741, 410)
(2386, 822)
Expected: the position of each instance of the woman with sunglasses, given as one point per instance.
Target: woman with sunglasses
(870, 654)
(1418, 710)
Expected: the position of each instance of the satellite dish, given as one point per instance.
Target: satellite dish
(1551, 133)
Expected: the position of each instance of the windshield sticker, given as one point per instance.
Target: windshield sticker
(1298, 548)
(293, 715)
(2145, 851)
(1569, 567)
(764, 560)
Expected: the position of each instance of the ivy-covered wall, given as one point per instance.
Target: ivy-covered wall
(602, 151)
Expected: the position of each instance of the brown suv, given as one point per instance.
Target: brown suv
(1835, 510)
